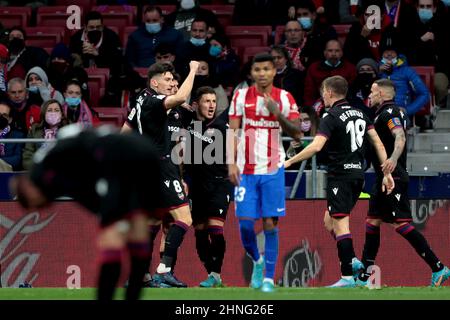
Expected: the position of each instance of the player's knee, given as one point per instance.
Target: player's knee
(246, 225)
(270, 223)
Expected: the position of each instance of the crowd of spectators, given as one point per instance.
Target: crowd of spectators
(35, 82)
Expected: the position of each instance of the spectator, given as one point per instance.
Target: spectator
(197, 46)
(186, 13)
(331, 65)
(287, 78)
(294, 43)
(411, 93)
(97, 45)
(39, 89)
(61, 69)
(140, 51)
(75, 108)
(363, 40)
(255, 12)
(4, 56)
(224, 60)
(433, 43)
(22, 58)
(51, 119)
(245, 77)
(206, 77)
(23, 112)
(358, 94)
(317, 33)
(10, 153)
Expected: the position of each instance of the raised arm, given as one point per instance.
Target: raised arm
(185, 90)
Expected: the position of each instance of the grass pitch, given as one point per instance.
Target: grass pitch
(236, 293)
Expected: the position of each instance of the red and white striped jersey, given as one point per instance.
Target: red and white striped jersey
(260, 148)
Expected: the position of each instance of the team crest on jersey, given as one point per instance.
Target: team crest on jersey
(132, 113)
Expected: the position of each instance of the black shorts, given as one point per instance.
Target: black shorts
(390, 208)
(210, 199)
(171, 191)
(342, 195)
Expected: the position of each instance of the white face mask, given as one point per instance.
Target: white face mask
(187, 4)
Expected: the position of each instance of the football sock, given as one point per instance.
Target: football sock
(417, 240)
(248, 238)
(345, 253)
(202, 245)
(370, 250)
(217, 248)
(109, 273)
(271, 251)
(139, 253)
(174, 239)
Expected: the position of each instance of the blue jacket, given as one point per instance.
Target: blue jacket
(411, 92)
(140, 50)
(13, 151)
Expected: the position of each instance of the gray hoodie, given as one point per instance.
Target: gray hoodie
(46, 89)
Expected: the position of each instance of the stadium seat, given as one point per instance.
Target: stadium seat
(86, 5)
(166, 9)
(15, 16)
(106, 9)
(53, 16)
(112, 115)
(117, 18)
(279, 33)
(223, 12)
(44, 37)
(97, 80)
(142, 72)
(427, 75)
(250, 52)
(125, 34)
(342, 31)
(244, 36)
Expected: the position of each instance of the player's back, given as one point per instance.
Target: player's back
(346, 130)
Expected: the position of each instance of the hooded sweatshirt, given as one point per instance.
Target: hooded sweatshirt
(46, 91)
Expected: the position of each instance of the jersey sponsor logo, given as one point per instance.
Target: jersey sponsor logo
(262, 123)
(173, 129)
(167, 183)
(352, 166)
(200, 136)
(335, 191)
(398, 196)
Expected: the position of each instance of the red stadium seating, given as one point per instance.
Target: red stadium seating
(86, 5)
(142, 72)
(250, 52)
(97, 80)
(54, 16)
(118, 19)
(427, 75)
(125, 33)
(112, 115)
(105, 10)
(223, 12)
(15, 16)
(342, 31)
(44, 37)
(244, 36)
(279, 32)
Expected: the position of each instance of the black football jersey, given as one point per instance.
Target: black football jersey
(149, 118)
(387, 118)
(345, 128)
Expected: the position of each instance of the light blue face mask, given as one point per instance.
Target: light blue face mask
(33, 89)
(446, 2)
(425, 15)
(153, 27)
(215, 51)
(393, 61)
(305, 22)
(73, 102)
(328, 63)
(198, 42)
